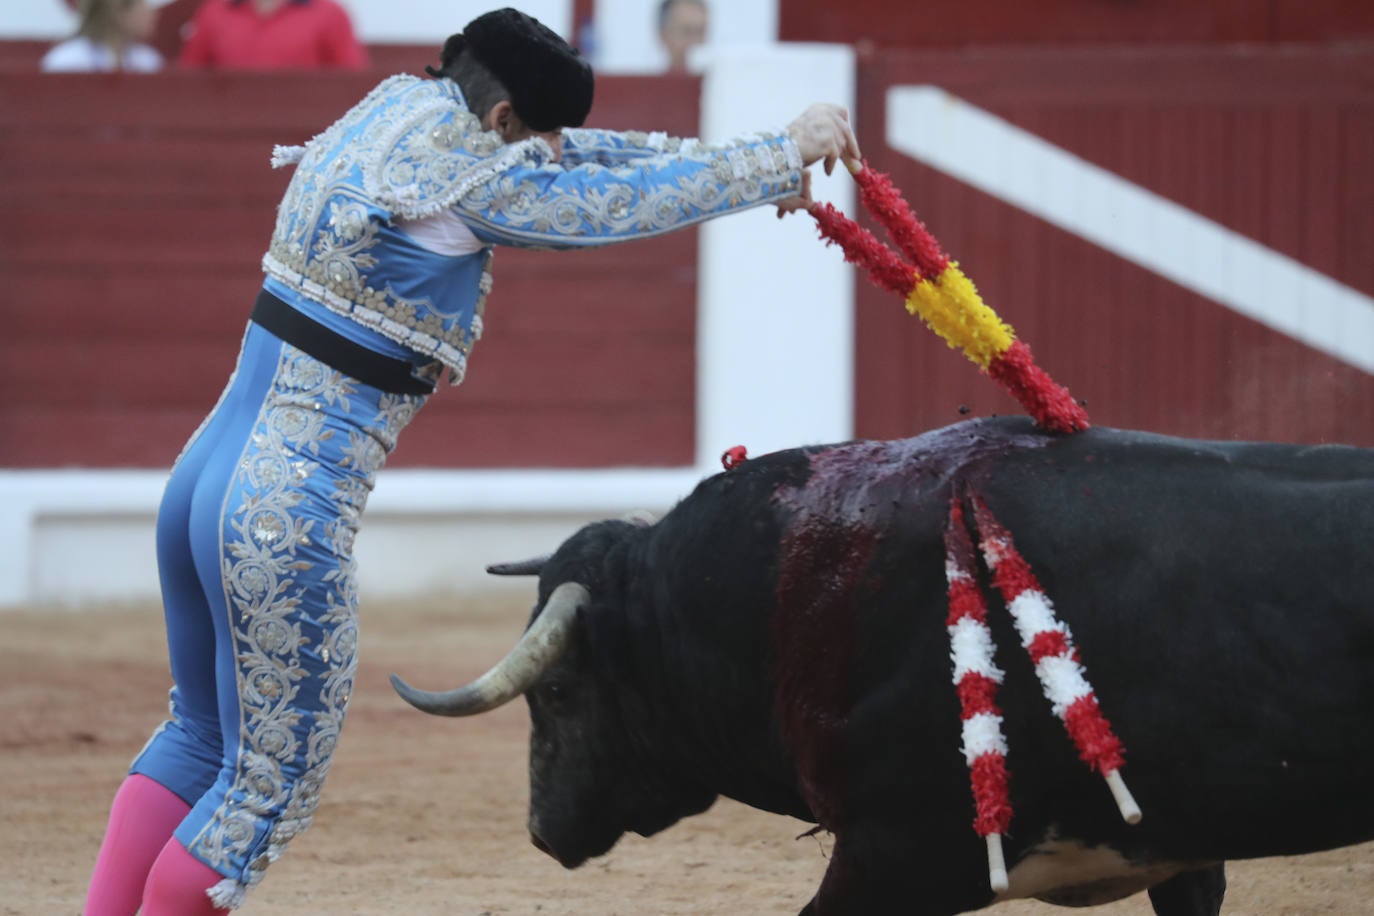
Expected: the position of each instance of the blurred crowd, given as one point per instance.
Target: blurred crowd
(140, 37)
(225, 34)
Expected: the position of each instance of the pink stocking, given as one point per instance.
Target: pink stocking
(177, 885)
(142, 818)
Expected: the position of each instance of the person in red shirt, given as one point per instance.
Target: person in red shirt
(272, 35)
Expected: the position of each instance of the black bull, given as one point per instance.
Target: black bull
(780, 638)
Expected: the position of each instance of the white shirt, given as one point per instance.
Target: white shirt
(81, 55)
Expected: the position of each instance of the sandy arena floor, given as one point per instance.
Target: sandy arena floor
(422, 815)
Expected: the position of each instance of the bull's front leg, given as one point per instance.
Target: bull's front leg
(1193, 893)
(878, 869)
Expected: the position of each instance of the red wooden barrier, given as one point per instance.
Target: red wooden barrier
(1062, 23)
(1276, 145)
(138, 209)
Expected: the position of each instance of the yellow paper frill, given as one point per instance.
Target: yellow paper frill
(952, 308)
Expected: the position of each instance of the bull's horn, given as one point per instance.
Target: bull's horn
(535, 565)
(541, 645)
(531, 567)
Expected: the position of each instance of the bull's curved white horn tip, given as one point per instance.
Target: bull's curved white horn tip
(641, 517)
(997, 864)
(1125, 802)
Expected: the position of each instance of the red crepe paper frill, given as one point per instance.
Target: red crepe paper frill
(976, 676)
(888, 206)
(1092, 735)
(965, 600)
(988, 778)
(1048, 402)
(1050, 644)
(977, 695)
(733, 457)
(863, 249)
(1010, 572)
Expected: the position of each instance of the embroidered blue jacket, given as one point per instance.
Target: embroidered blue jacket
(411, 150)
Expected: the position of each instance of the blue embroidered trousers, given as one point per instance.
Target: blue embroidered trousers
(255, 553)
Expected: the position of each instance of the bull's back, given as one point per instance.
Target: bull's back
(1219, 593)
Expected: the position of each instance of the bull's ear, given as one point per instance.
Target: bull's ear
(531, 567)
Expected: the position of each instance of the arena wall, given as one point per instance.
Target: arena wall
(607, 381)
(141, 211)
(1182, 235)
(953, 24)
(1171, 202)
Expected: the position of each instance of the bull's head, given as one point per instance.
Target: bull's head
(597, 744)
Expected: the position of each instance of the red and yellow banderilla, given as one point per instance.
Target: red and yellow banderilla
(944, 298)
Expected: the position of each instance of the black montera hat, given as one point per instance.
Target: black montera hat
(550, 84)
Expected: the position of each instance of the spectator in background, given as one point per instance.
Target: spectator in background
(272, 35)
(681, 27)
(112, 35)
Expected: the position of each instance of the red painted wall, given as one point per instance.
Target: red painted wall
(138, 209)
(1274, 144)
(959, 23)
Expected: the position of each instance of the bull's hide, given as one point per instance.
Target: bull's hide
(780, 637)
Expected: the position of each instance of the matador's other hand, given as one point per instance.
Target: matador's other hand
(800, 201)
(822, 131)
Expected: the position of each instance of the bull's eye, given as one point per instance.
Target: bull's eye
(553, 693)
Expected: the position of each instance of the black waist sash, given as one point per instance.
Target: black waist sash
(385, 373)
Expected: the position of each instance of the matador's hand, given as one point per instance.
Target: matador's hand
(800, 202)
(822, 131)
